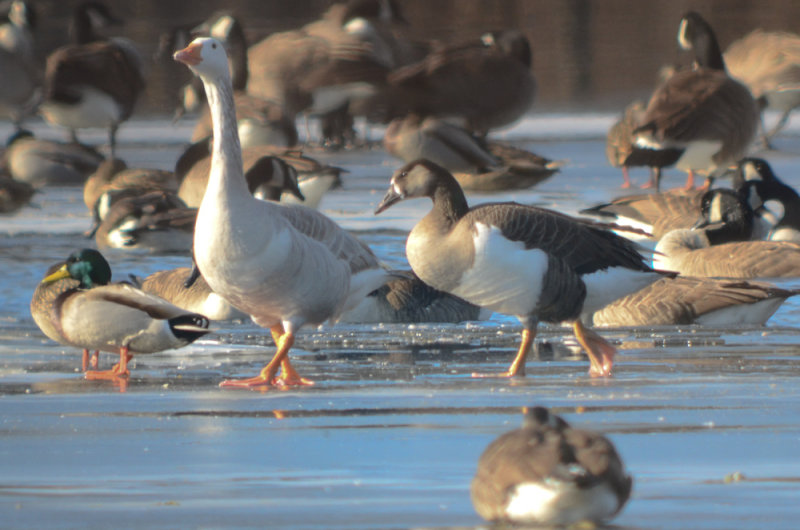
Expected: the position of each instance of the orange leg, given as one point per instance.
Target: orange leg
(87, 361)
(600, 352)
(267, 377)
(689, 181)
(117, 371)
(626, 178)
(517, 367)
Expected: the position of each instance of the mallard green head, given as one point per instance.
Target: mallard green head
(87, 266)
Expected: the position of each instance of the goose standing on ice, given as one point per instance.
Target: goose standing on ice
(703, 111)
(519, 260)
(298, 267)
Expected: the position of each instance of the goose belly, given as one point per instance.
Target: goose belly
(699, 156)
(503, 276)
(556, 502)
(274, 278)
(95, 109)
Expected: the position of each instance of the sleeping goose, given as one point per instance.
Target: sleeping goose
(549, 473)
(76, 305)
(760, 186)
(155, 222)
(768, 63)
(41, 162)
(519, 260)
(298, 268)
(14, 194)
(92, 83)
(703, 301)
(703, 111)
(295, 177)
(477, 164)
(719, 247)
(261, 122)
(20, 90)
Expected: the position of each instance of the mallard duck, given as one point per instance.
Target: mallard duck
(156, 222)
(702, 111)
(519, 260)
(297, 268)
(550, 473)
(76, 305)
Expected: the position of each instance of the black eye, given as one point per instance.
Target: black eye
(213, 45)
(404, 174)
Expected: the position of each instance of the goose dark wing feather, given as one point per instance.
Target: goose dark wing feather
(585, 248)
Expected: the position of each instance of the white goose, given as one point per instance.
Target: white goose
(299, 267)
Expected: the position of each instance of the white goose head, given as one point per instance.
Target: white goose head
(206, 57)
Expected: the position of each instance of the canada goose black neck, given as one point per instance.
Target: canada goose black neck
(696, 35)
(87, 18)
(730, 215)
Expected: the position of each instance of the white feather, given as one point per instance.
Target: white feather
(560, 502)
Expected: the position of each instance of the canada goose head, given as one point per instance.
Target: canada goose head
(22, 14)
(512, 43)
(536, 417)
(87, 266)
(270, 176)
(725, 216)
(90, 17)
(695, 35)
(206, 57)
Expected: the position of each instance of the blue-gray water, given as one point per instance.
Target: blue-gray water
(707, 420)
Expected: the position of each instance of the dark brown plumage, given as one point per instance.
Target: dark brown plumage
(548, 472)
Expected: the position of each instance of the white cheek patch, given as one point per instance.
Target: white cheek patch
(751, 173)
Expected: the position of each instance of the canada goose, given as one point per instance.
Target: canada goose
(703, 111)
(720, 247)
(75, 304)
(654, 214)
(549, 473)
(768, 63)
(476, 163)
(261, 122)
(271, 172)
(760, 185)
(92, 83)
(622, 151)
(519, 260)
(319, 68)
(486, 82)
(41, 162)
(14, 194)
(299, 267)
(154, 222)
(20, 91)
(704, 301)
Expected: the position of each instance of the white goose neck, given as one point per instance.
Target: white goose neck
(226, 153)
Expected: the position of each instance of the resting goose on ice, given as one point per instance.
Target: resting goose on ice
(549, 473)
(298, 268)
(519, 260)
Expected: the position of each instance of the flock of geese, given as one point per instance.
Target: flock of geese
(439, 101)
